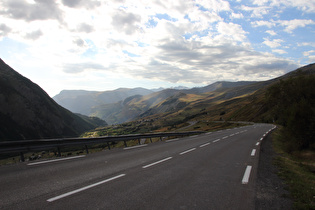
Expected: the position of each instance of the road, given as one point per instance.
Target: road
(210, 171)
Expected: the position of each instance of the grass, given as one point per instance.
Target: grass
(296, 169)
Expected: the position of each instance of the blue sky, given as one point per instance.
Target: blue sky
(104, 45)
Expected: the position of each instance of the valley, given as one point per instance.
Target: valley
(288, 101)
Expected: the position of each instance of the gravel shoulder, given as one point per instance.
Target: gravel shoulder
(270, 189)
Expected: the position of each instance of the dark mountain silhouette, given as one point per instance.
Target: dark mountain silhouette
(27, 112)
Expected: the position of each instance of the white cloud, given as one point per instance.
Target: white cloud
(271, 32)
(259, 23)
(291, 25)
(237, 15)
(232, 31)
(215, 5)
(279, 51)
(303, 5)
(307, 53)
(311, 44)
(273, 43)
(256, 12)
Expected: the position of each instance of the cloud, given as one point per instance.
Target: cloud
(279, 51)
(273, 43)
(259, 23)
(79, 42)
(207, 60)
(81, 4)
(126, 22)
(271, 32)
(291, 25)
(237, 15)
(303, 5)
(34, 35)
(4, 30)
(83, 27)
(214, 5)
(256, 12)
(311, 44)
(231, 30)
(39, 10)
(307, 53)
(75, 68)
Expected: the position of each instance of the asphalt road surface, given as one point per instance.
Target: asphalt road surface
(210, 171)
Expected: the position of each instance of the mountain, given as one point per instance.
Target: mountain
(218, 85)
(243, 103)
(81, 101)
(158, 102)
(27, 112)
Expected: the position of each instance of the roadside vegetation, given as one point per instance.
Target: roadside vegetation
(297, 169)
(292, 105)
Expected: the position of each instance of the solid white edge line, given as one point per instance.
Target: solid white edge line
(187, 151)
(194, 136)
(84, 188)
(55, 160)
(142, 145)
(253, 152)
(246, 175)
(172, 140)
(206, 144)
(157, 162)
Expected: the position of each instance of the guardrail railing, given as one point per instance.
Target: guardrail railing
(24, 146)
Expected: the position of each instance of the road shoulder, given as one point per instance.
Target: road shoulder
(270, 189)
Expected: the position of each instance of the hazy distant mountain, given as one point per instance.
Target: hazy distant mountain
(81, 101)
(162, 101)
(27, 112)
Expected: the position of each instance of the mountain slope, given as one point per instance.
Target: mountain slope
(137, 106)
(242, 103)
(81, 101)
(27, 112)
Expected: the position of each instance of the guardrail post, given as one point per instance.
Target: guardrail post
(139, 141)
(22, 157)
(59, 152)
(86, 149)
(125, 143)
(150, 139)
(108, 145)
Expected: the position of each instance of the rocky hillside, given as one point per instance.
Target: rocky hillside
(27, 112)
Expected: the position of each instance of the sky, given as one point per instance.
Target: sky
(105, 45)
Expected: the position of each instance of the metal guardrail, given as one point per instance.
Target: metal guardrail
(23, 146)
